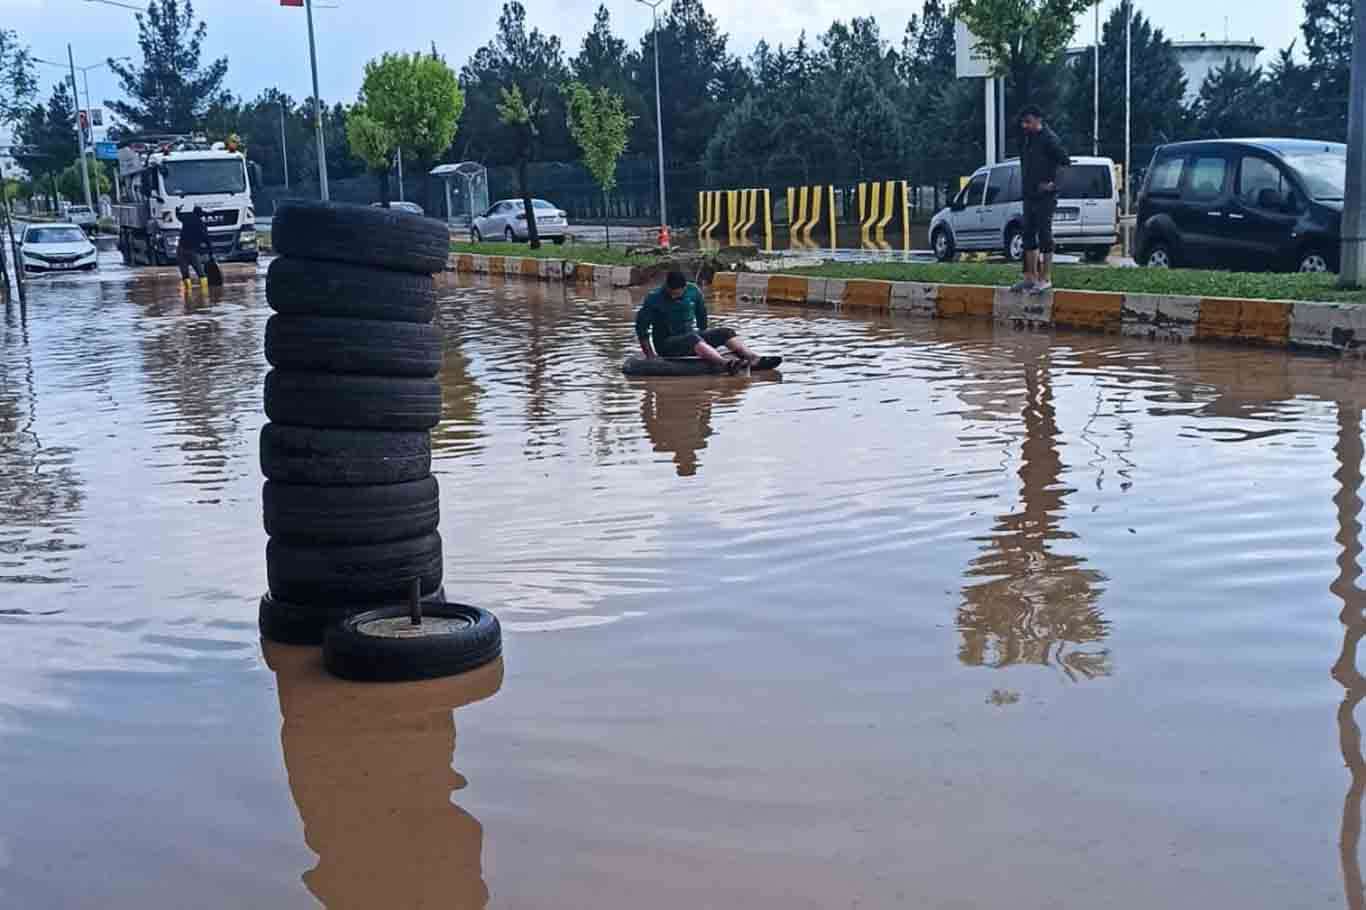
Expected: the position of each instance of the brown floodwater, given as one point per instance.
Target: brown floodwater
(947, 616)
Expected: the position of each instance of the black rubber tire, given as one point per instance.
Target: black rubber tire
(353, 346)
(302, 624)
(366, 573)
(303, 514)
(1012, 232)
(308, 287)
(332, 400)
(471, 638)
(1097, 255)
(308, 455)
(950, 252)
(363, 235)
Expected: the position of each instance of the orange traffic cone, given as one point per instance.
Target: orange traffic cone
(664, 240)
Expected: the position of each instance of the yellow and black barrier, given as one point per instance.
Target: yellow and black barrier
(804, 213)
(740, 210)
(877, 204)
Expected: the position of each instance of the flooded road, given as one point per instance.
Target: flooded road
(946, 616)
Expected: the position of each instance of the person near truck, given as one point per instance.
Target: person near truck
(1042, 156)
(194, 240)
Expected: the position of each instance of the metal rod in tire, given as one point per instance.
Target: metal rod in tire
(415, 602)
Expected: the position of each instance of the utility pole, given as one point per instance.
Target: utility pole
(317, 105)
(990, 98)
(80, 133)
(1353, 270)
(659, 117)
(1095, 122)
(398, 159)
(284, 145)
(1128, 105)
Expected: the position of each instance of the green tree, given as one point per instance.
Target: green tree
(18, 85)
(524, 117)
(374, 143)
(170, 90)
(1327, 29)
(70, 183)
(1022, 38)
(602, 57)
(1233, 102)
(47, 137)
(1294, 107)
(411, 100)
(1159, 88)
(867, 123)
(600, 125)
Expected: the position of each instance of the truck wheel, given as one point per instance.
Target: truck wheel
(308, 287)
(329, 400)
(353, 346)
(344, 457)
(386, 238)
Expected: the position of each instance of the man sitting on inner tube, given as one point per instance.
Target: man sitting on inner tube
(674, 317)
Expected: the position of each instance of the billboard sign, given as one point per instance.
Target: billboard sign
(107, 151)
(970, 62)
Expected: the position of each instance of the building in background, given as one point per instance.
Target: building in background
(1197, 58)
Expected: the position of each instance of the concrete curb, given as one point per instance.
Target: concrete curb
(1330, 327)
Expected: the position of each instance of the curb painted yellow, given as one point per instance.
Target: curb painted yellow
(1097, 311)
(1328, 327)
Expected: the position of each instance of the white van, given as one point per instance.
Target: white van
(987, 213)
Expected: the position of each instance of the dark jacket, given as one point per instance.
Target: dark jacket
(663, 317)
(194, 235)
(1041, 157)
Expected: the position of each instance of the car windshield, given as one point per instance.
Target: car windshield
(204, 178)
(1324, 173)
(54, 235)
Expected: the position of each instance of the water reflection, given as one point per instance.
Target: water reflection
(677, 414)
(370, 771)
(1038, 606)
(1349, 451)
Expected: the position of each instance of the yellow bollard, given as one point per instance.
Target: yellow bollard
(800, 221)
(905, 216)
(888, 196)
(730, 216)
(834, 227)
(791, 210)
(873, 212)
(768, 221)
(815, 213)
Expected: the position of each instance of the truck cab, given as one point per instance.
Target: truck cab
(161, 177)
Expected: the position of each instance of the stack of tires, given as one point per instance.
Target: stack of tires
(350, 503)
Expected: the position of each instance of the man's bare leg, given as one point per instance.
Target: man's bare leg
(1045, 270)
(738, 346)
(709, 354)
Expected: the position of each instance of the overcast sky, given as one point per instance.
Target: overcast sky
(267, 45)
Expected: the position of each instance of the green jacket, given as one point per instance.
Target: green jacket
(660, 316)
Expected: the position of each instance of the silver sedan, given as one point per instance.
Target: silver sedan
(506, 220)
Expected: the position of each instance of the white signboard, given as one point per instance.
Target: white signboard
(971, 63)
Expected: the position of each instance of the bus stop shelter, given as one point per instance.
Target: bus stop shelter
(467, 191)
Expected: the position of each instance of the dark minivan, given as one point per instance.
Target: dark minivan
(1245, 204)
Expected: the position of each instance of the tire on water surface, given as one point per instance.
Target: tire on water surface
(306, 624)
(336, 401)
(386, 238)
(304, 514)
(353, 574)
(311, 287)
(322, 457)
(385, 646)
(353, 346)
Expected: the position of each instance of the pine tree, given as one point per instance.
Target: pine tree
(170, 91)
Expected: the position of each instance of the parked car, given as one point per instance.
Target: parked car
(412, 207)
(988, 212)
(83, 216)
(56, 248)
(506, 219)
(1248, 204)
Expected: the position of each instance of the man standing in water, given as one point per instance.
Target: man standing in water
(1041, 157)
(672, 322)
(194, 236)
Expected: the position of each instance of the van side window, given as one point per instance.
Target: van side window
(1258, 174)
(1206, 179)
(973, 194)
(997, 185)
(1166, 176)
(1013, 192)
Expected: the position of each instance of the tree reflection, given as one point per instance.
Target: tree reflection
(1036, 606)
(1349, 451)
(370, 771)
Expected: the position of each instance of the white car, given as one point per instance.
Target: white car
(986, 214)
(410, 207)
(506, 220)
(56, 248)
(81, 215)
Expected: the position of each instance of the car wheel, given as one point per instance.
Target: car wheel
(475, 236)
(943, 246)
(1014, 244)
(1314, 261)
(509, 236)
(1159, 257)
(1097, 254)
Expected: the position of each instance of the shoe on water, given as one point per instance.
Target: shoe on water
(767, 363)
(1039, 290)
(1022, 287)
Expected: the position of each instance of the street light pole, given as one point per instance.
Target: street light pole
(80, 132)
(317, 105)
(1095, 122)
(659, 117)
(284, 145)
(1353, 266)
(1128, 105)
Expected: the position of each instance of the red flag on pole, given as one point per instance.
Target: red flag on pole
(291, 2)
